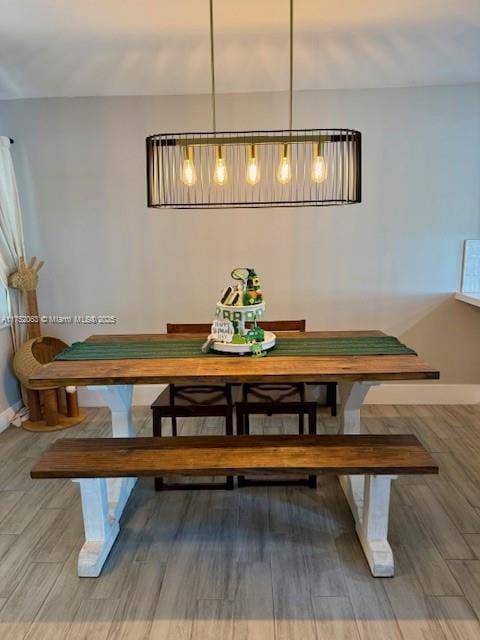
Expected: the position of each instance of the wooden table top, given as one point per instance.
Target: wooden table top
(230, 369)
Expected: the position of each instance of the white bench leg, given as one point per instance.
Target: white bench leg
(372, 530)
(368, 496)
(100, 529)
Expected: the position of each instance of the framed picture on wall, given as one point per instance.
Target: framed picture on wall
(471, 267)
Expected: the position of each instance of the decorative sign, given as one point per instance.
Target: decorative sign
(222, 330)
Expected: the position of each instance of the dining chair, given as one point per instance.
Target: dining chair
(282, 398)
(300, 325)
(193, 401)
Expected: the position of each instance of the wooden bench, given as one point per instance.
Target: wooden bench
(374, 459)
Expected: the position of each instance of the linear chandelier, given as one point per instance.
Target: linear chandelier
(280, 168)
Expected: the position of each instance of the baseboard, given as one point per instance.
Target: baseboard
(424, 393)
(7, 415)
(394, 393)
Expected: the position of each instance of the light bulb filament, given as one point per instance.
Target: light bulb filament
(220, 173)
(253, 168)
(319, 168)
(284, 171)
(188, 175)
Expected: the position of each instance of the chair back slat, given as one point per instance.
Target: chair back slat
(268, 325)
(283, 325)
(188, 328)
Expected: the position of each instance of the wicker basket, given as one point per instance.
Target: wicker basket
(33, 354)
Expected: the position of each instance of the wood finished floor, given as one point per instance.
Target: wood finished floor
(253, 564)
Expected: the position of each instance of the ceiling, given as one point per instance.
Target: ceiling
(133, 47)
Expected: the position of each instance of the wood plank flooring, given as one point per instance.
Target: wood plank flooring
(259, 563)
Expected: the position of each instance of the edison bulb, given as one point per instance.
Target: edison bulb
(319, 168)
(189, 175)
(220, 173)
(284, 172)
(253, 168)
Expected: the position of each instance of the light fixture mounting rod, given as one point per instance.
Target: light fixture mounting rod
(290, 112)
(212, 66)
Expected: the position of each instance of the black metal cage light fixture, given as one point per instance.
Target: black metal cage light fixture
(282, 168)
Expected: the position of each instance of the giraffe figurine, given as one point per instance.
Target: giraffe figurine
(26, 279)
(59, 408)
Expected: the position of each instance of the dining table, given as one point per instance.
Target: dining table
(356, 360)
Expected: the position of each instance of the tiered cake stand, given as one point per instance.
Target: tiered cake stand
(240, 314)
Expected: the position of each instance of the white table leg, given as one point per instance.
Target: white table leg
(368, 496)
(119, 400)
(352, 395)
(104, 499)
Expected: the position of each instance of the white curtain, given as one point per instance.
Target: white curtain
(11, 236)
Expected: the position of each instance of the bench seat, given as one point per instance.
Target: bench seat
(106, 469)
(226, 455)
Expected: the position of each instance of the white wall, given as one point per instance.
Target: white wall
(390, 263)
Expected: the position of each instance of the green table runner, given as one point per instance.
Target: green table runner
(182, 348)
